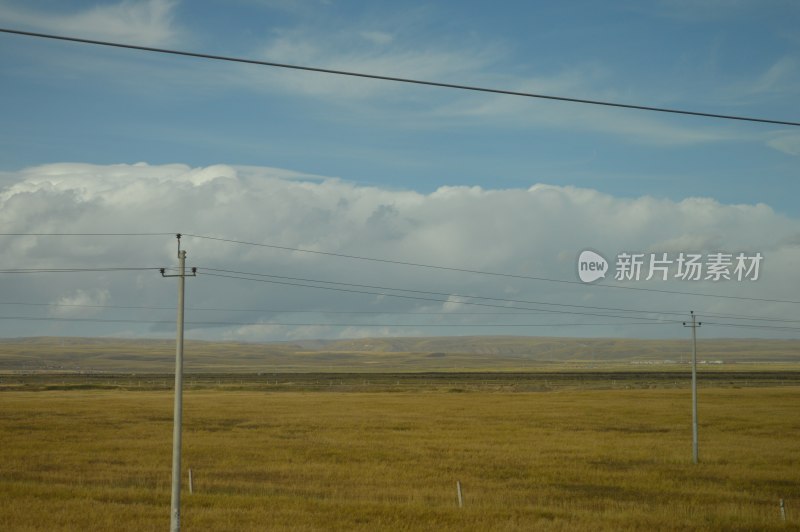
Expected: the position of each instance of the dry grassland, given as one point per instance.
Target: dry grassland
(577, 460)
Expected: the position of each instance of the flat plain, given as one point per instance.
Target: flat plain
(326, 458)
(368, 355)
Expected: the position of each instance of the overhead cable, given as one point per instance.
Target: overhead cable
(357, 312)
(75, 270)
(284, 324)
(445, 294)
(88, 234)
(415, 264)
(493, 274)
(422, 298)
(263, 310)
(396, 79)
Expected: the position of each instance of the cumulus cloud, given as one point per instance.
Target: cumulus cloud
(535, 232)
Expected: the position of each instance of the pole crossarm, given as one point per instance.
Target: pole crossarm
(164, 274)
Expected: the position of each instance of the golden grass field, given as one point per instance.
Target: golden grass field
(566, 460)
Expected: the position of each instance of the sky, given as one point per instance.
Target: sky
(302, 176)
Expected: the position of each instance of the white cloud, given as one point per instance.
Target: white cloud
(377, 37)
(81, 303)
(782, 76)
(787, 143)
(348, 52)
(535, 232)
(479, 66)
(778, 80)
(435, 108)
(591, 82)
(143, 22)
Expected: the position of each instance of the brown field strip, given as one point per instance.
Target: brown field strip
(572, 459)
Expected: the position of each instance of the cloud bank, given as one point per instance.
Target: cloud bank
(536, 232)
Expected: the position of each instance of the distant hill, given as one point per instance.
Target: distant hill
(563, 349)
(378, 354)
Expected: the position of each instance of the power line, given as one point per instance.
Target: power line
(87, 234)
(481, 272)
(745, 318)
(421, 298)
(752, 326)
(419, 265)
(397, 79)
(323, 324)
(74, 270)
(273, 311)
(284, 324)
(374, 312)
(447, 294)
(357, 312)
(80, 305)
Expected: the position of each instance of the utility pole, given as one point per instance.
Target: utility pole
(177, 418)
(694, 325)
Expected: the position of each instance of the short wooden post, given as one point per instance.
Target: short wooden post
(783, 512)
(191, 483)
(461, 496)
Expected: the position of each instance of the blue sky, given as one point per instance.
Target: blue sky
(100, 107)
(68, 102)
